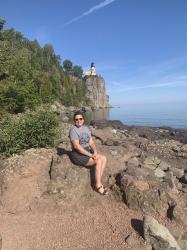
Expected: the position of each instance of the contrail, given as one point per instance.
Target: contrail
(170, 83)
(94, 8)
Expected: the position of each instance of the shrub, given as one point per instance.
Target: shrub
(12, 99)
(30, 130)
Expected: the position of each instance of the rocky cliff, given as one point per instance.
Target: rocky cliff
(95, 92)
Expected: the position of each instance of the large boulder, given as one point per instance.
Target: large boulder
(69, 180)
(143, 191)
(157, 236)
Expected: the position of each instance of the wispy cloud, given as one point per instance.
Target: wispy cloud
(171, 73)
(91, 10)
(123, 87)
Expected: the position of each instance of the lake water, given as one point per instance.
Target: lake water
(174, 115)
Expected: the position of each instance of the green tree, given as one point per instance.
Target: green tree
(77, 71)
(67, 65)
(2, 22)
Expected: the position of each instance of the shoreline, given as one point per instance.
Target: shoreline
(91, 117)
(143, 117)
(144, 131)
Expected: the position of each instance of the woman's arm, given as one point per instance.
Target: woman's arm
(93, 146)
(80, 149)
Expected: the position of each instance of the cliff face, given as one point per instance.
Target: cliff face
(96, 93)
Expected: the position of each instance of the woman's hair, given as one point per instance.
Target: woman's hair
(78, 113)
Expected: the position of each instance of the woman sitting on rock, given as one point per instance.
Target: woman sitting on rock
(84, 151)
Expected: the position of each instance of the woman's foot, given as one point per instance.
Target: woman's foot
(101, 190)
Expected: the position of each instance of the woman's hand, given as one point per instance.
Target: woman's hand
(94, 155)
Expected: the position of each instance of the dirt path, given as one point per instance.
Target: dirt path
(95, 222)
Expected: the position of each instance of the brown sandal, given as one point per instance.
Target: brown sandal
(101, 193)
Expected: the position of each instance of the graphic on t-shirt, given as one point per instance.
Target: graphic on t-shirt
(84, 138)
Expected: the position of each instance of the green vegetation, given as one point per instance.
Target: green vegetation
(30, 76)
(30, 130)
(68, 66)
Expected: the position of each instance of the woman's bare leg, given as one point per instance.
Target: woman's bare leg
(98, 168)
(103, 164)
(100, 165)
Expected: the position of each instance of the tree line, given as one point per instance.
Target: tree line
(31, 75)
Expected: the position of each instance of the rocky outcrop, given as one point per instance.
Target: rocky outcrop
(143, 191)
(95, 92)
(157, 236)
(152, 178)
(24, 180)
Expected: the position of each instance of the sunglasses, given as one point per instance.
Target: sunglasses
(78, 119)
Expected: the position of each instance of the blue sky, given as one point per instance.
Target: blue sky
(138, 46)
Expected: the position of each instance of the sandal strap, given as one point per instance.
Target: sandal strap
(98, 188)
(104, 188)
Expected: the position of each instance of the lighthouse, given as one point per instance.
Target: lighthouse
(93, 69)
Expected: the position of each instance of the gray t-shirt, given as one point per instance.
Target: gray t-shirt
(83, 134)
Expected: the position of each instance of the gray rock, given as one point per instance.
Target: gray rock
(64, 118)
(141, 173)
(86, 108)
(113, 152)
(151, 162)
(172, 182)
(164, 166)
(157, 236)
(96, 93)
(177, 172)
(143, 191)
(134, 162)
(159, 172)
(176, 148)
(177, 233)
(182, 155)
(184, 188)
(112, 142)
(183, 179)
(184, 148)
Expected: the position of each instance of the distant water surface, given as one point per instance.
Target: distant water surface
(156, 115)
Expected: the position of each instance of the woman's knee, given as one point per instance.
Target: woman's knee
(91, 162)
(103, 158)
